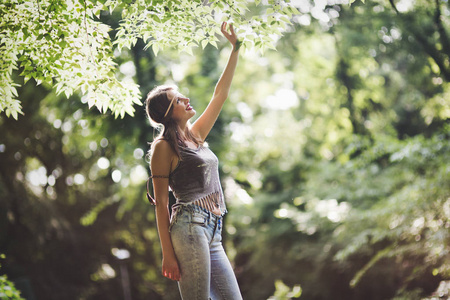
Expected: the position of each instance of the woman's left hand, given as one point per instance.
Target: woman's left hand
(231, 36)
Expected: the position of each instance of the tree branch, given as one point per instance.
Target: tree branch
(434, 54)
(442, 33)
(394, 7)
(235, 10)
(87, 33)
(429, 47)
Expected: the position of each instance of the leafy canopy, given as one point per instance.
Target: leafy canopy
(65, 44)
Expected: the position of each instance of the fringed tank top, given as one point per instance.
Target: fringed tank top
(195, 180)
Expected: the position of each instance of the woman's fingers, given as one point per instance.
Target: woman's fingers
(231, 36)
(232, 29)
(223, 27)
(176, 275)
(173, 274)
(224, 30)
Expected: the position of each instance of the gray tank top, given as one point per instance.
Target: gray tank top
(195, 180)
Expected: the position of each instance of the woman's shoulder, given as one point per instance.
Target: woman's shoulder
(161, 146)
(160, 142)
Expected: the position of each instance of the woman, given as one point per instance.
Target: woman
(191, 241)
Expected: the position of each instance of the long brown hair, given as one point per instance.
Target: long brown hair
(156, 105)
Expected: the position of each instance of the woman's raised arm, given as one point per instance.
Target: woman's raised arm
(202, 126)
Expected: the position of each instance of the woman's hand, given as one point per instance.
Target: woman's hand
(231, 36)
(170, 268)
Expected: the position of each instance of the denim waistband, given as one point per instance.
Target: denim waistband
(192, 208)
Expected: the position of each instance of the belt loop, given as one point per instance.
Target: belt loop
(175, 212)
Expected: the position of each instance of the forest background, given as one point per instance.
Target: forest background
(334, 157)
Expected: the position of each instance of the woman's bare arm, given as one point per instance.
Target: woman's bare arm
(202, 126)
(160, 166)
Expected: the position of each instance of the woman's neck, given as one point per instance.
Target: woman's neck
(182, 126)
(182, 133)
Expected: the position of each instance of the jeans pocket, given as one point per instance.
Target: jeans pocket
(175, 219)
(198, 220)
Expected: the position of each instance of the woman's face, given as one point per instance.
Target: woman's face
(182, 110)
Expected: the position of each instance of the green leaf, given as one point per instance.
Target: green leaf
(294, 10)
(14, 114)
(204, 43)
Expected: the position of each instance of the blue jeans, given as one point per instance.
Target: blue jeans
(206, 272)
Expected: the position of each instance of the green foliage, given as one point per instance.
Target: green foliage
(347, 189)
(66, 45)
(283, 292)
(410, 219)
(60, 44)
(7, 288)
(183, 25)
